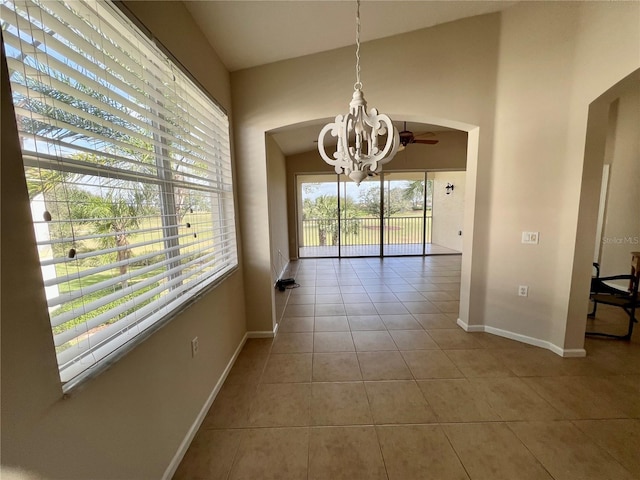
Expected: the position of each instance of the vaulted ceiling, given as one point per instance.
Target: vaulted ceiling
(250, 33)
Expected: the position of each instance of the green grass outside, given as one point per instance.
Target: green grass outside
(404, 228)
(201, 225)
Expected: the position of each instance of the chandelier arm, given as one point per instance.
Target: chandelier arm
(393, 138)
(333, 129)
(393, 148)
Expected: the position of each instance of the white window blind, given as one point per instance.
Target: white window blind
(129, 174)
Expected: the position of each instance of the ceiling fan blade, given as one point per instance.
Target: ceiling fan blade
(425, 134)
(426, 142)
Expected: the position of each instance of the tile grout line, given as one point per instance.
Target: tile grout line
(506, 423)
(464, 467)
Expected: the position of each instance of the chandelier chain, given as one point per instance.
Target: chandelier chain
(358, 84)
(365, 140)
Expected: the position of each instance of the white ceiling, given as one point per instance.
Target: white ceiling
(247, 33)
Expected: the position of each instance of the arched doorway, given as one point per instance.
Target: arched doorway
(601, 126)
(281, 185)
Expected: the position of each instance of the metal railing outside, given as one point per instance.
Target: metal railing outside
(319, 232)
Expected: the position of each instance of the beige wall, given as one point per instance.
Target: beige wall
(531, 74)
(528, 175)
(448, 210)
(277, 182)
(278, 227)
(570, 54)
(621, 232)
(128, 422)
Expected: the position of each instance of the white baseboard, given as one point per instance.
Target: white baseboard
(470, 328)
(563, 352)
(184, 446)
(264, 333)
(571, 352)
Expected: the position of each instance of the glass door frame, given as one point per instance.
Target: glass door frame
(338, 179)
(343, 185)
(299, 214)
(386, 194)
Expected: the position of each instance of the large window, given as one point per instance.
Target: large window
(129, 175)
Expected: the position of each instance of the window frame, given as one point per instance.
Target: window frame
(122, 344)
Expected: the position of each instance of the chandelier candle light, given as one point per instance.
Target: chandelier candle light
(364, 156)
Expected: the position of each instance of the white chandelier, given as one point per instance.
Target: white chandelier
(358, 153)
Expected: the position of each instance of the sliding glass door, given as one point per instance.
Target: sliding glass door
(386, 215)
(360, 234)
(318, 219)
(406, 215)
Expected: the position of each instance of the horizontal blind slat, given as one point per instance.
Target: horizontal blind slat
(64, 337)
(82, 349)
(107, 299)
(68, 89)
(72, 295)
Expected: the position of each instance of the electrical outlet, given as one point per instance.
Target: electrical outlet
(523, 291)
(194, 346)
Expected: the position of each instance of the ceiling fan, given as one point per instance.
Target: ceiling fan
(407, 138)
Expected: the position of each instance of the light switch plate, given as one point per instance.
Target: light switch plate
(530, 238)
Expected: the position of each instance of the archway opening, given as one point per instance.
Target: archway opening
(611, 146)
(282, 158)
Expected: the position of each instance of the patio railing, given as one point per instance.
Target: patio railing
(364, 231)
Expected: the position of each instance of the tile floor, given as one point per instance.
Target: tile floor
(369, 377)
(374, 250)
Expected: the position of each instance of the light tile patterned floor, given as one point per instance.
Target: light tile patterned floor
(369, 377)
